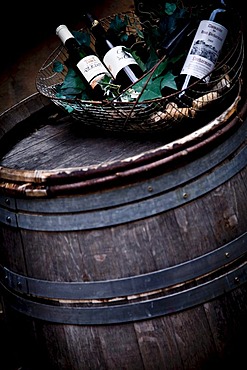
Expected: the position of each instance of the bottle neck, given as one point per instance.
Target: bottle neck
(94, 25)
(63, 33)
(73, 47)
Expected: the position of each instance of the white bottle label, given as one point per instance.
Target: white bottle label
(92, 69)
(205, 49)
(117, 58)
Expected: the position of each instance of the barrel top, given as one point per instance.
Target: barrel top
(38, 142)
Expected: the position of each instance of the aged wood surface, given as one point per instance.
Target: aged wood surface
(64, 143)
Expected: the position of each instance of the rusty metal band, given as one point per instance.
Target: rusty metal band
(31, 290)
(123, 205)
(129, 312)
(138, 284)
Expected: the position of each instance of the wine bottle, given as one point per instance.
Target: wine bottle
(115, 56)
(85, 62)
(205, 48)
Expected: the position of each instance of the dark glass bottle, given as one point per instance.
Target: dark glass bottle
(84, 62)
(117, 59)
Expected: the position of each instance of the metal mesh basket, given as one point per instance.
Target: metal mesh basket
(153, 115)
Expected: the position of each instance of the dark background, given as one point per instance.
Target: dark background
(24, 24)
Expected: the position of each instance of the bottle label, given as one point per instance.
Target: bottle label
(92, 69)
(205, 49)
(117, 58)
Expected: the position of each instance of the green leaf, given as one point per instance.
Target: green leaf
(151, 87)
(168, 80)
(152, 60)
(139, 85)
(84, 96)
(138, 60)
(58, 67)
(160, 68)
(152, 91)
(118, 24)
(68, 108)
(72, 85)
(73, 80)
(82, 37)
(110, 90)
(170, 8)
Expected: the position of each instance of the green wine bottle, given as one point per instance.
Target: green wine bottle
(117, 59)
(85, 62)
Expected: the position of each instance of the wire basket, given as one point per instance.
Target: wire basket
(154, 115)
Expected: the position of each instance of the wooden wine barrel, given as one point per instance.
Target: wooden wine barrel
(122, 252)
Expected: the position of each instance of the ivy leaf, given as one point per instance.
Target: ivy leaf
(118, 25)
(72, 86)
(110, 90)
(152, 60)
(152, 91)
(159, 69)
(151, 87)
(83, 38)
(137, 58)
(57, 67)
(170, 8)
(73, 80)
(148, 91)
(168, 80)
(139, 85)
(68, 108)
